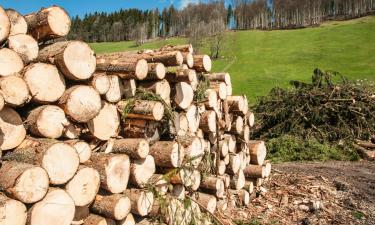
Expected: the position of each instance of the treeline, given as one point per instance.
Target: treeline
(135, 24)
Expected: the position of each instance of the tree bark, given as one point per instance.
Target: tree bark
(219, 77)
(116, 89)
(135, 148)
(11, 62)
(202, 63)
(208, 201)
(135, 128)
(220, 88)
(161, 88)
(18, 23)
(183, 95)
(238, 180)
(213, 185)
(255, 171)
(208, 122)
(12, 212)
(141, 170)
(93, 219)
(116, 206)
(193, 150)
(241, 197)
(12, 130)
(258, 152)
(156, 71)
(141, 201)
(182, 48)
(14, 90)
(25, 45)
(167, 154)
(141, 109)
(106, 124)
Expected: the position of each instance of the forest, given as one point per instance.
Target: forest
(136, 24)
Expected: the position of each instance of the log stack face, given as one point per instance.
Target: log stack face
(105, 137)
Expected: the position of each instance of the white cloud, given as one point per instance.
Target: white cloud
(184, 3)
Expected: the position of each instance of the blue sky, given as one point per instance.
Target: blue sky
(80, 7)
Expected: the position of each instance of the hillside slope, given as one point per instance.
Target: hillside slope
(260, 60)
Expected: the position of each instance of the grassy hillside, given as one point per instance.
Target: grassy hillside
(260, 60)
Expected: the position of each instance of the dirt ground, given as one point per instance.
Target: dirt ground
(313, 193)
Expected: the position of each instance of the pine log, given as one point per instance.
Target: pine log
(129, 220)
(156, 71)
(268, 167)
(56, 208)
(24, 182)
(226, 180)
(10, 62)
(161, 88)
(14, 90)
(169, 58)
(178, 192)
(5, 25)
(83, 149)
(193, 118)
(106, 124)
(207, 201)
(213, 185)
(129, 88)
(219, 77)
(188, 59)
(93, 219)
(141, 201)
(100, 82)
(167, 153)
(223, 148)
(234, 163)
(45, 82)
(183, 95)
(72, 130)
(141, 109)
(115, 206)
(236, 103)
(194, 151)
(141, 170)
(114, 171)
(135, 128)
(238, 180)
(48, 23)
(81, 103)
(237, 125)
(182, 48)
(12, 212)
(222, 167)
(249, 186)
(116, 89)
(241, 197)
(80, 215)
(245, 135)
(220, 88)
(255, 171)
(227, 160)
(2, 102)
(222, 205)
(25, 45)
(160, 183)
(211, 97)
(179, 125)
(188, 177)
(135, 148)
(18, 23)
(243, 160)
(12, 130)
(231, 139)
(182, 75)
(258, 152)
(202, 63)
(208, 121)
(250, 118)
(47, 121)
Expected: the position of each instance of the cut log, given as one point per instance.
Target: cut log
(234, 163)
(14, 90)
(106, 124)
(24, 182)
(243, 160)
(84, 186)
(202, 63)
(207, 201)
(129, 220)
(189, 178)
(211, 97)
(255, 171)
(147, 129)
(141, 201)
(81, 103)
(182, 48)
(5, 25)
(100, 82)
(45, 82)
(268, 167)
(129, 88)
(83, 149)
(172, 58)
(236, 103)
(220, 88)
(135, 148)
(160, 183)
(258, 152)
(25, 45)
(141, 170)
(188, 59)
(114, 171)
(116, 89)
(2, 102)
(156, 71)
(231, 140)
(246, 134)
(12, 212)
(116, 206)
(208, 121)
(237, 125)
(213, 185)
(249, 186)
(141, 109)
(12, 130)
(47, 121)
(10, 62)
(179, 125)
(59, 159)
(161, 88)
(226, 180)
(223, 148)
(72, 130)
(80, 214)
(238, 180)
(93, 219)
(57, 208)
(241, 197)
(222, 167)
(219, 77)
(18, 23)
(167, 154)
(194, 151)
(183, 95)
(222, 205)
(182, 75)
(193, 118)
(250, 119)
(48, 23)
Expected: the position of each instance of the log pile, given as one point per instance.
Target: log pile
(117, 138)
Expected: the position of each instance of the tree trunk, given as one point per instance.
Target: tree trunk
(80, 215)
(72, 130)
(141, 201)
(83, 149)
(93, 219)
(2, 102)
(250, 119)
(182, 48)
(207, 201)
(161, 88)
(45, 82)
(183, 95)
(14, 90)
(5, 25)
(188, 59)
(241, 197)
(84, 186)
(167, 154)
(237, 125)
(211, 96)
(156, 71)
(182, 75)
(81, 103)
(160, 183)
(18, 23)
(147, 129)
(141, 109)
(48, 23)
(213, 185)
(56, 208)
(11, 62)
(12, 212)
(116, 89)
(178, 192)
(238, 180)
(258, 152)
(129, 88)
(236, 103)
(141, 170)
(47, 121)
(193, 150)
(255, 171)
(24, 182)
(106, 124)
(234, 163)
(193, 118)
(116, 206)
(100, 82)
(168, 58)
(249, 186)
(25, 45)
(114, 171)
(219, 77)
(208, 122)
(12, 130)
(202, 63)
(220, 88)
(135, 148)
(129, 220)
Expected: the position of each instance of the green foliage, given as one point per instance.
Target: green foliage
(358, 215)
(203, 85)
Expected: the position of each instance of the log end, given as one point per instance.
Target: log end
(59, 21)
(10, 62)
(80, 61)
(141, 69)
(4, 25)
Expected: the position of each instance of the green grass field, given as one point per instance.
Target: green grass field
(261, 60)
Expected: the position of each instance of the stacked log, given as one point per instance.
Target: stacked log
(97, 139)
